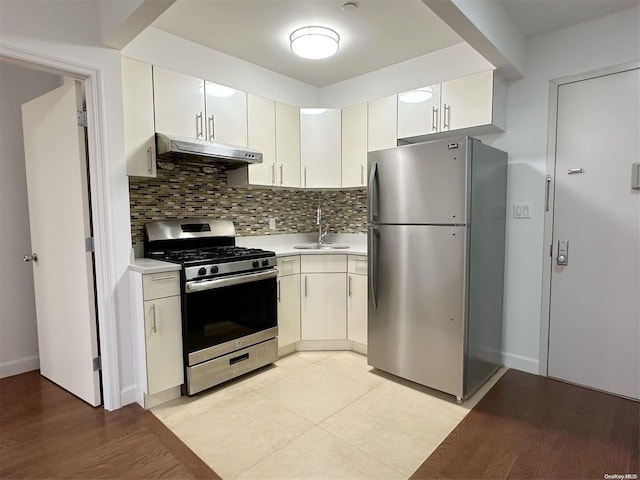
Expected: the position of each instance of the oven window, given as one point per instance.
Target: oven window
(222, 314)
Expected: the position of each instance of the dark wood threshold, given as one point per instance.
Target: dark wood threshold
(532, 427)
(45, 432)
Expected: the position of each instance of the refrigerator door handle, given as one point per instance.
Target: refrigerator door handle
(372, 264)
(373, 192)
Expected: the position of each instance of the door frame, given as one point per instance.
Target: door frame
(547, 259)
(101, 215)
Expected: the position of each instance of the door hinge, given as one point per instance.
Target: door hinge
(82, 118)
(89, 245)
(97, 364)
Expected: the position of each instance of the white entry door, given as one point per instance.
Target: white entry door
(594, 328)
(59, 218)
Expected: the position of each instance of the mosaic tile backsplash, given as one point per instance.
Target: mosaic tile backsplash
(187, 191)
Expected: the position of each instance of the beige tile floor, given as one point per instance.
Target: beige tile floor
(316, 415)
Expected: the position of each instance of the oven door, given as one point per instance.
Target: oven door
(222, 315)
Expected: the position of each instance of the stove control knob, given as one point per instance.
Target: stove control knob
(214, 269)
(202, 271)
(265, 262)
(256, 264)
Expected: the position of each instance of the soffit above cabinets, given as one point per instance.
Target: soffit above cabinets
(377, 34)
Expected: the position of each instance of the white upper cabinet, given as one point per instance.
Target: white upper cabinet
(419, 111)
(383, 123)
(262, 137)
(354, 145)
(321, 147)
(191, 107)
(467, 101)
(179, 104)
(139, 128)
(226, 111)
(287, 145)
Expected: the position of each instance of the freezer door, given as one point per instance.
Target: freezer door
(424, 183)
(417, 303)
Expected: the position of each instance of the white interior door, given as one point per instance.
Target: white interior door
(59, 219)
(594, 324)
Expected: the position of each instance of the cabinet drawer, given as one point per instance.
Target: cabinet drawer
(288, 265)
(358, 264)
(323, 263)
(159, 285)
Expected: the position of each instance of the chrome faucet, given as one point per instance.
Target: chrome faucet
(321, 234)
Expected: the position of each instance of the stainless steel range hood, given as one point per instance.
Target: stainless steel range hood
(170, 147)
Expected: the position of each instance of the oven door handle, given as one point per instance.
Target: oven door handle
(229, 281)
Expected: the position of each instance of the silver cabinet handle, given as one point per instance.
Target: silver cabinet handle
(199, 130)
(349, 289)
(281, 175)
(150, 158)
(28, 258)
(278, 285)
(434, 119)
(154, 325)
(547, 192)
(287, 260)
(273, 174)
(305, 285)
(361, 174)
(574, 171)
(212, 128)
(447, 116)
(166, 277)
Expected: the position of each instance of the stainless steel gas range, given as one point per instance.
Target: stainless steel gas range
(229, 304)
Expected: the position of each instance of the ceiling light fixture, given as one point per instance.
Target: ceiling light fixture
(416, 96)
(314, 42)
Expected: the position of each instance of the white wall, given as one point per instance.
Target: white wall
(609, 40)
(69, 30)
(18, 331)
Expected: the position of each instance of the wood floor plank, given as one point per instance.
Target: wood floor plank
(532, 427)
(45, 432)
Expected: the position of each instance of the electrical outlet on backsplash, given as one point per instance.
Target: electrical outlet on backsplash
(188, 192)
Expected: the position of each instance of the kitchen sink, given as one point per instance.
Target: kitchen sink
(322, 246)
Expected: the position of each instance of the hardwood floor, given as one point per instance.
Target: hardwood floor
(45, 432)
(530, 427)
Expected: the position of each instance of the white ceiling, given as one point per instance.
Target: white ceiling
(377, 34)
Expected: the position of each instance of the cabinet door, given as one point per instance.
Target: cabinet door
(226, 114)
(179, 104)
(357, 308)
(163, 341)
(382, 123)
(467, 101)
(354, 145)
(288, 310)
(139, 127)
(262, 136)
(287, 145)
(324, 306)
(418, 115)
(320, 147)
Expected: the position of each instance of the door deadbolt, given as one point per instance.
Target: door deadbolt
(563, 252)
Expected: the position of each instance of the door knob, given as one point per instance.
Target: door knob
(28, 258)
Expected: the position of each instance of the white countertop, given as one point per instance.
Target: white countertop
(282, 245)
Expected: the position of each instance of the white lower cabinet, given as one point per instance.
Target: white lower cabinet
(288, 300)
(157, 340)
(357, 299)
(323, 306)
(163, 341)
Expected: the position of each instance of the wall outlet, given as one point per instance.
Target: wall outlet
(522, 210)
(272, 224)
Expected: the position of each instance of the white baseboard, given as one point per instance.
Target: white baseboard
(22, 365)
(128, 395)
(520, 362)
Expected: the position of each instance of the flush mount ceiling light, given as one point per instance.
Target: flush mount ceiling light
(416, 96)
(314, 42)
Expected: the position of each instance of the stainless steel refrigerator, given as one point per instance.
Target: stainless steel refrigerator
(436, 233)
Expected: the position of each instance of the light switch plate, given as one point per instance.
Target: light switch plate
(522, 210)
